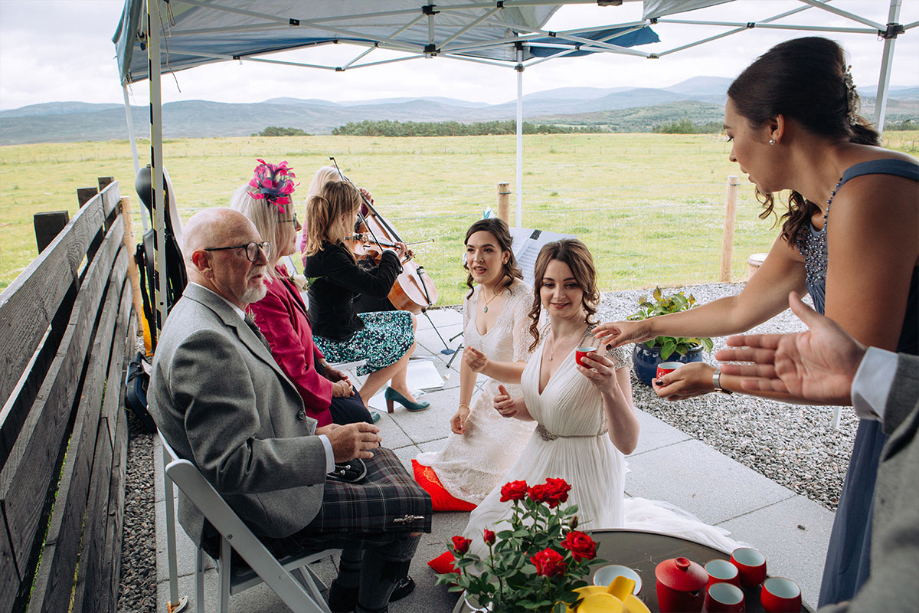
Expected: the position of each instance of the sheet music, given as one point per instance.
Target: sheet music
(526, 247)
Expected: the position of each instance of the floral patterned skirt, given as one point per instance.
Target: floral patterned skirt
(386, 336)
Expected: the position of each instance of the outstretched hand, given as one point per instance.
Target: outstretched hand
(504, 403)
(688, 381)
(816, 366)
(618, 333)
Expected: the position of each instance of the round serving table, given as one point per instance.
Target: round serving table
(643, 551)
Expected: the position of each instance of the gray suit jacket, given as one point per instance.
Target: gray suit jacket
(894, 582)
(222, 402)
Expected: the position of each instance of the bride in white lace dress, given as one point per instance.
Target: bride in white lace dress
(483, 445)
(585, 418)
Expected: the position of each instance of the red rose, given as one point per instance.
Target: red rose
(548, 563)
(581, 546)
(556, 491)
(515, 490)
(460, 544)
(537, 493)
(488, 536)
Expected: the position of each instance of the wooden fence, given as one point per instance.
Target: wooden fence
(67, 331)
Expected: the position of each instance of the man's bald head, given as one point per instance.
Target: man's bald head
(224, 271)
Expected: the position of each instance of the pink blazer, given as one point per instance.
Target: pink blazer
(281, 316)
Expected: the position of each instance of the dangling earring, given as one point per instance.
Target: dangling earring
(771, 141)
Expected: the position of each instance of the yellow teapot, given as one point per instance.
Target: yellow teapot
(617, 598)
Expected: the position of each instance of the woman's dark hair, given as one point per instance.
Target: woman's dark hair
(805, 79)
(575, 254)
(497, 228)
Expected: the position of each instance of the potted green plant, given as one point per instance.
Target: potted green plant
(646, 356)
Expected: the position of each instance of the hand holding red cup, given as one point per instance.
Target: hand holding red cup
(665, 368)
(580, 352)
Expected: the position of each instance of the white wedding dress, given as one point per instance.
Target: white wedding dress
(571, 443)
(474, 462)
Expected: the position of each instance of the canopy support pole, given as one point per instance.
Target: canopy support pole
(133, 138)
(519, 70)
(156, 144)
(890, 41)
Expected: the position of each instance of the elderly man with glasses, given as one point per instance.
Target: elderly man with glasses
(221, 401)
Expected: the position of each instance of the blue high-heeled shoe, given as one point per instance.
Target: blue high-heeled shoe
(392, 395)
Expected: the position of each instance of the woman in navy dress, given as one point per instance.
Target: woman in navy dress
(793, 118)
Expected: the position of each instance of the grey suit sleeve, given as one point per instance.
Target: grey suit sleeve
(892, 586)
(222, 420)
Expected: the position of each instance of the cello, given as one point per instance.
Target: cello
(413, 290)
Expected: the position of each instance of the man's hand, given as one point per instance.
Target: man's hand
(817, 366)
(352, 441)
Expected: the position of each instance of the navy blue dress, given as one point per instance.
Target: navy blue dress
(848, 555)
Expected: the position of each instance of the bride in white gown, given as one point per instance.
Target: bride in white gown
(483, 445)
(585, 418)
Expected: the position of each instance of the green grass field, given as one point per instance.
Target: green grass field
(649, 206)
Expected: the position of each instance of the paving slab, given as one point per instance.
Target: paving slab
(655, 434)
(793, 535)
(433, 423)
(695, 477)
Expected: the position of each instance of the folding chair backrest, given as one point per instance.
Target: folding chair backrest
(203, 495)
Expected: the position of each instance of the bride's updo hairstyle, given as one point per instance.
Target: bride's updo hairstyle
(497, 228)
(807, 80)
(575, 254)
(335, 198)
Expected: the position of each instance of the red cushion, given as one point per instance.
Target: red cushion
(440, 497)
(443, 563)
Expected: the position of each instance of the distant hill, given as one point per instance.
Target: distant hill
(700, 99)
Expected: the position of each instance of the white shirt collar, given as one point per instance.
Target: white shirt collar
(239, 311)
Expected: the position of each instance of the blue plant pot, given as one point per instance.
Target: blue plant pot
(645, 360)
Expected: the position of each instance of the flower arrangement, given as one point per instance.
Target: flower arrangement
(274, 183)
(534, 565)
(663, 305)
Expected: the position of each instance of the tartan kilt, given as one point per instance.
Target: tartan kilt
(386, 500)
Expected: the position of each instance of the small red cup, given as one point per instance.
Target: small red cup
(780, 595)
(580, 352)
(665, 368)
(751, 566)
(724, 598)
(722, 571)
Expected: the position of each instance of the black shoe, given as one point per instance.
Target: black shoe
(403, 587)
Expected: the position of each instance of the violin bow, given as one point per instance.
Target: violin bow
(369, 206)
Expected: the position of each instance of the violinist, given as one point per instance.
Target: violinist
(384, 339)
(363, 303)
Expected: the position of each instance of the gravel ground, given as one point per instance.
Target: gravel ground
(793, 445)
(137, 591)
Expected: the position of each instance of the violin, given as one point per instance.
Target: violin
(413, 289)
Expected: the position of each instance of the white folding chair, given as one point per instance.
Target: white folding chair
(290, 577)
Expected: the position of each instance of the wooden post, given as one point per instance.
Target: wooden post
(105, 182)
(48, 225)
(504, 202)
(130, 244)
(85, 194)
(727, 241)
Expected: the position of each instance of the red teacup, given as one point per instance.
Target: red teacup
(580, 352)
(780, 595)
(751, 566)
(724, 598)
(722, 571)
(665, 368)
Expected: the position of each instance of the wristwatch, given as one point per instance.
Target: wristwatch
(716, 383)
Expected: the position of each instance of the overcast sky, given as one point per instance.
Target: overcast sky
(61, 50)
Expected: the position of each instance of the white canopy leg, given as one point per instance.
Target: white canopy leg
(880, 106)
(519, 137)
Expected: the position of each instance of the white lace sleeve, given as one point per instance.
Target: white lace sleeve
(522, 301)
(621, 357)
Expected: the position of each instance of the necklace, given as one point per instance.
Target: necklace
(558, 344)
(487, 302)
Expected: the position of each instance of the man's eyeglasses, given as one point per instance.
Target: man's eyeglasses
(251, 249)
(293, 221)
